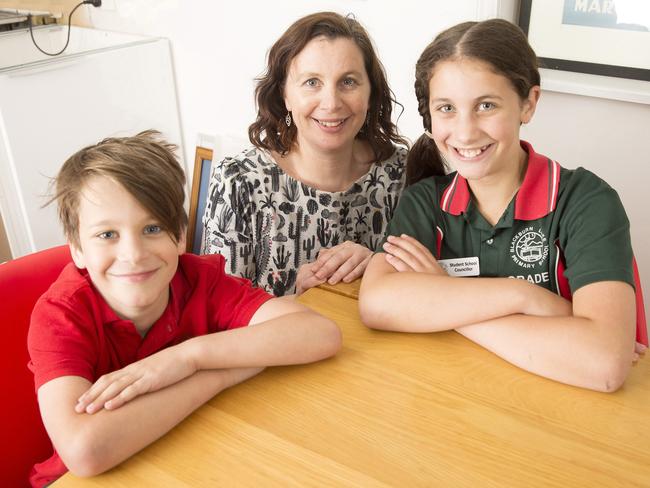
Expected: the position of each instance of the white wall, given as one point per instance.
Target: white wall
(219, 48)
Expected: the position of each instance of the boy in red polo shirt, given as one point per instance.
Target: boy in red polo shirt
(137, 335)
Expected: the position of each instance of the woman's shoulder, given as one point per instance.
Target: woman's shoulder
(396, 159)
(391, 171)
(248, 163)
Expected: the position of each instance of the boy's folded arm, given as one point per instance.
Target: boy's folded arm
(91, 444)
(281, 332)
(388, 299)
(592, 348)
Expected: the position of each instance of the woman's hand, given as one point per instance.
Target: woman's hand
(152, 373)
(345, 262)
(404, 253)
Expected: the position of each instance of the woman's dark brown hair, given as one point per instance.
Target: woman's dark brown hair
(269, 130)
(497, 42)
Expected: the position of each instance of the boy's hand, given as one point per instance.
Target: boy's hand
(404, 253)
(306, 279)
(639, 351)
(344, 262)
(152, 373)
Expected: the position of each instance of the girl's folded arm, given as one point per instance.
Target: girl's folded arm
(426, 302)
(592, 348)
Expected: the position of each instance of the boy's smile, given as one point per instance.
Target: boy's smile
(135, 277)
(129, 257)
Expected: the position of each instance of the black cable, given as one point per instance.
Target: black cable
(31, 32)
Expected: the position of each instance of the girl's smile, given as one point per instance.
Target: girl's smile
(470, 154)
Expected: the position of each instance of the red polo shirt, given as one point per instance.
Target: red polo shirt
(73, 331)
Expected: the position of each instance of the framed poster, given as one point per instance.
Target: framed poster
(601, 37)
(198, 197)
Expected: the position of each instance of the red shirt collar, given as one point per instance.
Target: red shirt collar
(535, 199)
(158, 334)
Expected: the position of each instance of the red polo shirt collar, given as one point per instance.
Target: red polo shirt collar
(535, 199)
(161, 331)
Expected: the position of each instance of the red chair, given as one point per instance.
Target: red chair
(24, 440)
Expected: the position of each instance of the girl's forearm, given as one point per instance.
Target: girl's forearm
(422, 302)
(574, 350)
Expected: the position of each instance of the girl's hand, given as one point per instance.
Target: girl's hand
(345, 262)
(152, 373)
(544, 303)
(404, 253)
(306, 279)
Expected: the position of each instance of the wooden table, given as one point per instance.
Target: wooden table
(402, 410)
(350, 290)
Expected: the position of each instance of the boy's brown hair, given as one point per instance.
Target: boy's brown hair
(145, 165)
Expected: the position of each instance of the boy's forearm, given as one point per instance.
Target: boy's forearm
(295, 338)
(92, 444)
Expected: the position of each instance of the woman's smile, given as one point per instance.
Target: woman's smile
(331, 125)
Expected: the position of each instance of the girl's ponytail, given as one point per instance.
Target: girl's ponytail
(423, 160)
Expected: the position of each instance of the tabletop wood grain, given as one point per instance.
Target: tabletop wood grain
(350, 290)
(405, 410)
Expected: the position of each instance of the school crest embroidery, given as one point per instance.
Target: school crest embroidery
(529, 248)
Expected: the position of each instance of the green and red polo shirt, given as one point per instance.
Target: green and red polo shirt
(564, 229)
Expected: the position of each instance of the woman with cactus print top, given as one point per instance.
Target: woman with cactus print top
(310, 200)
(267, 224)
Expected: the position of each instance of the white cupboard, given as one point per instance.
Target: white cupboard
(106, 84)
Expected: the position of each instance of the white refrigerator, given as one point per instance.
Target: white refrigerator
(105, 84)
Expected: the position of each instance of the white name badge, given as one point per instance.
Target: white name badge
(461, 266)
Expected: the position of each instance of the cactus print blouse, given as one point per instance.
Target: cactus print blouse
(266, 223)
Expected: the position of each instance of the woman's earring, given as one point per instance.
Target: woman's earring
(428, 133)
(287, 119)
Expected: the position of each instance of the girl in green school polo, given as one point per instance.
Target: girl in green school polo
(526, 258)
